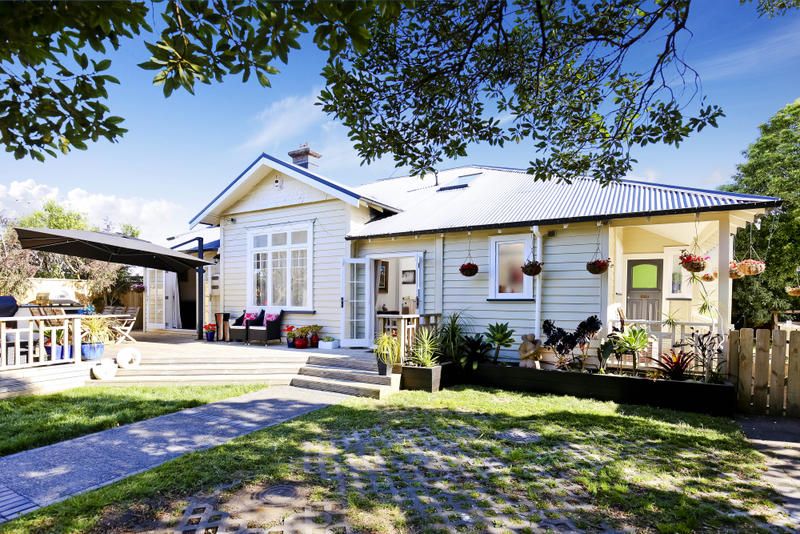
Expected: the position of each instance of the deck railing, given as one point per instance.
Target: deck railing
(37, 341)
(405, 326)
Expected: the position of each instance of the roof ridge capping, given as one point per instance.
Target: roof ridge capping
(642, 183)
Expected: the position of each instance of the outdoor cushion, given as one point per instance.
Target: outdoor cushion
(239, 321)
(260, 319)
(270, 317)
(249, 317)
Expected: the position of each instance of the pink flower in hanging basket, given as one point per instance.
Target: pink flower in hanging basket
(733, 272)
(598, 266)
(532, 267)
(468, 269)
(693, 263)
(708, 277)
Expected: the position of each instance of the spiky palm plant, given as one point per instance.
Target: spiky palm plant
(500, 336)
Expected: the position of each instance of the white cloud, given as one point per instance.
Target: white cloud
(157, 218)
(778, 47)
(291, 121)
(286, 119)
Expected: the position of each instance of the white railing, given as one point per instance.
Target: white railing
(35, 341)
(666, 336)
(404, 327)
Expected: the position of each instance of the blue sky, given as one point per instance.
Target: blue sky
(179, 152)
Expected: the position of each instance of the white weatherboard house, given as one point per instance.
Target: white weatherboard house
(344, 257)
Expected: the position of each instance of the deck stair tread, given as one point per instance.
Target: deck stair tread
(345, 373)
(348, 387)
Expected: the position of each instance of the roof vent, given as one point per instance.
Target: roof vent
(460, 182)
(305, 157)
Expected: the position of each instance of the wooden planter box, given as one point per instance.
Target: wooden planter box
(714, 399)
(421, 378)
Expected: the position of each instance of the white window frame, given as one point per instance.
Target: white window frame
(288, 247)
(670, 253)
(527, 281)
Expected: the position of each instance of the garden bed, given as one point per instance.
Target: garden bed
(690, 396)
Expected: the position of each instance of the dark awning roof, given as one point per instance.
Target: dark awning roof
(103, 246)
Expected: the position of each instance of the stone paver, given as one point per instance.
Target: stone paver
(779, 439)
(46, 475)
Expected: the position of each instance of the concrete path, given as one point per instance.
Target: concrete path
(39, 477)
(779, 439)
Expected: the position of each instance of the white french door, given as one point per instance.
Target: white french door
(356, 302)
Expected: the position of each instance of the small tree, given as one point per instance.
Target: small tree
(17, 265)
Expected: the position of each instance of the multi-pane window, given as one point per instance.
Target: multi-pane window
(280, 267)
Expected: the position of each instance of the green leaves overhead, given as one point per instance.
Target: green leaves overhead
(51, 94)
(554, 74)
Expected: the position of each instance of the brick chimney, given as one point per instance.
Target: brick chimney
(305, 157)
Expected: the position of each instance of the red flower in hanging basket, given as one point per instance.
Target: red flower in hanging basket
(692, 262)
(751, 267)
(468, 269)
(598, 266)
(532, 267)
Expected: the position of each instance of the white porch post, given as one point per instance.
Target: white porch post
(724, 289)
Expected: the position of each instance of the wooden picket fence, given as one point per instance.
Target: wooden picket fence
(767, 378)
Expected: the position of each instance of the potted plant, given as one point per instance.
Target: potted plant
(95, 334)
(733, 271)
(387, 353)
(751, 267)
(328, 343)
(57, 350)
(301, 337)
(313, 335)
(693, 263)
(423, 372)
(500, 336)
(632, 341)
(468, 269)
(210, 330)
(793, 291)
(290, 335)
(598, 266)
(532, 267)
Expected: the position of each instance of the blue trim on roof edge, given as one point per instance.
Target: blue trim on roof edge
(290, 166)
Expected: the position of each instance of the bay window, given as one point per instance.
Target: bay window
(280, 267)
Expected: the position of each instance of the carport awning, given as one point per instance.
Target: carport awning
(103, 246)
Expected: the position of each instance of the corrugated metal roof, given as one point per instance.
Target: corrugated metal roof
(504, 197)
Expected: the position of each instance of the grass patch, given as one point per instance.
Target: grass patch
(598, 465)
(32, 421)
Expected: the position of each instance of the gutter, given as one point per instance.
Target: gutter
(537, 291)
(566, 220)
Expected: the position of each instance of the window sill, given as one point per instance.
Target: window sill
(500, 299)
(300, 312)
(678, 298)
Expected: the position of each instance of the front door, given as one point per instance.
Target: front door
(644, 290)
(356, 299)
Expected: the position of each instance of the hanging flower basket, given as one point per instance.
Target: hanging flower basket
(468, 269)
(692, 262)
(708, 277)
(793, 291)
(751, 267)
(532, 267)
(598, 266)
(733, 272)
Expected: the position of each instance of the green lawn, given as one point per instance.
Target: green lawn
(35, 420)
(598, 465)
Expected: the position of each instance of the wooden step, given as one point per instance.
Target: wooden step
(221, 367)
(347, 387)
(346, 362)
(344, 373)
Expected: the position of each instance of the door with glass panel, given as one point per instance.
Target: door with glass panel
(355, 302)
(644, 290)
